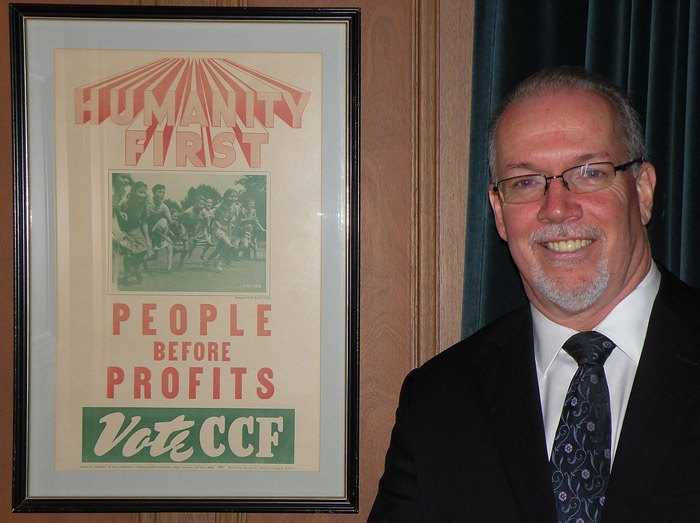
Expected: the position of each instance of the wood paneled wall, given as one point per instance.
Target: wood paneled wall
(415, 97)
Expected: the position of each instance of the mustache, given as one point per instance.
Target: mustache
(560, 231)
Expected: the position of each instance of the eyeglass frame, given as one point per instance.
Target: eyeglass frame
(616, 168)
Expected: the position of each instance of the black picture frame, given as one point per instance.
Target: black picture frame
(32, 272)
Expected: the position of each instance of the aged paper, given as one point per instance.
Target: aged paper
(188, 260)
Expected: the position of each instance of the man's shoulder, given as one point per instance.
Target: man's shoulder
(475, 354)
(678, 297)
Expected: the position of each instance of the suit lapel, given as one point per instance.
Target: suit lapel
(512, 393)
(664, 389)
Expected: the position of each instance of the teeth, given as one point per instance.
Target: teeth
(568, 245)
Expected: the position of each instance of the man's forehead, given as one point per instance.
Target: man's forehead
(579, 159)
(558, 112)
(562, 105)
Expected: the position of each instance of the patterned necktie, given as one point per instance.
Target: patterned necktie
(581, 454)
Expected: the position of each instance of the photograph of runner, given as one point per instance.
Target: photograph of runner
(189, 232)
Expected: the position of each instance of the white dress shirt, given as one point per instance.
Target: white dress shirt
(626, 326)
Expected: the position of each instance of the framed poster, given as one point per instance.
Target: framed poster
(186, 285)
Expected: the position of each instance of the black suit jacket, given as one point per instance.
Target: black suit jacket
(469, 444)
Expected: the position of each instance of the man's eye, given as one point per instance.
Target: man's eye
(592, 173)
(525, 183)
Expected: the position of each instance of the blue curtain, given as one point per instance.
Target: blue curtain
(651, 49)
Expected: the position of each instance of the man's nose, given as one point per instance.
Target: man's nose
(558, 204)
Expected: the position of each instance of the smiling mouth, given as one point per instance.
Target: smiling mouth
(567, 245)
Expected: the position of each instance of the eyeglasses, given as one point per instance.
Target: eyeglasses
(590, 177)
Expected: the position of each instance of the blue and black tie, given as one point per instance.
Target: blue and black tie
(581, 454)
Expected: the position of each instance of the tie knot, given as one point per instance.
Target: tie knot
(589, 348)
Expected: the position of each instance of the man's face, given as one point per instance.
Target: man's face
(576, 253)
(159, 193)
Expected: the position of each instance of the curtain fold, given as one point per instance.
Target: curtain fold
(646, 47)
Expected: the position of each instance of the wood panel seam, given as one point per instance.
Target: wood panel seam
(426, 189)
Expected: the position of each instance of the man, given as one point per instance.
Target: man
(197, 223)
(489, 429)
(223, 230)
(157, 209)
(159, 222)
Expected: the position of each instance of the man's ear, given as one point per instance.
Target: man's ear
(497, 207)
(646, 183)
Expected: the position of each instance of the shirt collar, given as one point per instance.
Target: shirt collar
(626, 325)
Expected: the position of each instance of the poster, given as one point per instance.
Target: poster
(189, 259)
(189, 252)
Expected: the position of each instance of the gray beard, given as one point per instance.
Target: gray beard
(576, 299)
(581, 297)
